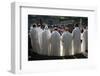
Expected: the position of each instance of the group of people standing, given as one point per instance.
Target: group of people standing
(45, 42)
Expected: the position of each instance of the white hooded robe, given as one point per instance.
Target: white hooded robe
(55, 44)
(34, 40)
(85, 41)
(67, 43)
(46, 42)
(39, 32)
(76, 40)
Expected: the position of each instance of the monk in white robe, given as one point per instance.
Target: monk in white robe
(85, 41)
(82, 30)
(55, 43)
(76, 40)
(67, 42)
(34, 39)
(46, 41)
(39, 32)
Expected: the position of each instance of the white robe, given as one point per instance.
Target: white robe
(67, 43)
(82, 43)
(46, 42)
(55, 44)
(39, 32)
(34, 40)
(76, 40)
(85, 41)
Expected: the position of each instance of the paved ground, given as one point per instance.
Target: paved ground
(34, 56)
